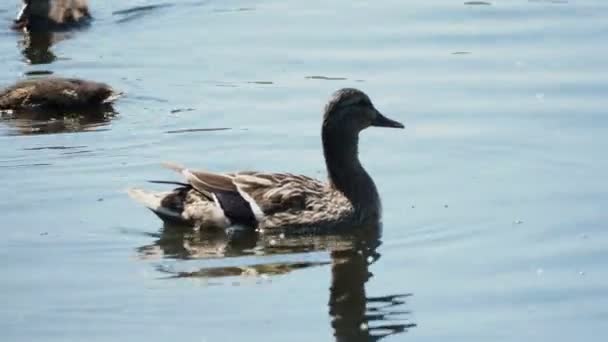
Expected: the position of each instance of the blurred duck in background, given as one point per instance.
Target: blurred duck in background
(51, 15)
(56, 104)
(56, 93)
(46, 22)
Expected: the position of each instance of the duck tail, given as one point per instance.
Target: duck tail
(149, 199)
(173, 166)
(153, 201)
(181, 184)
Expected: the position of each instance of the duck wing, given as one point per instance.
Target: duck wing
(264, 193)
(279, 192)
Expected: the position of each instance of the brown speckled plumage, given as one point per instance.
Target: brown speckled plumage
(55, 92)
(285, 201)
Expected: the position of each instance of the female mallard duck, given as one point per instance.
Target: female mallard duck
(56, 93)
(283, 200)
(43, 15)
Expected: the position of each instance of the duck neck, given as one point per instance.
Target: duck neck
(347, 175)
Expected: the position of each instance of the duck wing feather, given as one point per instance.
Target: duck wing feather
(266, 193)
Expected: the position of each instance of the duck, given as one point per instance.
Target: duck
(284, 202)
(57, 93)
(52, 15)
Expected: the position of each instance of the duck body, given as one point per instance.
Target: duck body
(283, 201)
(265, 201)
(56, 93)
(52, 15)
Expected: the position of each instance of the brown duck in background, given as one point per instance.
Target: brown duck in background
(55, 105)
(49, 15)
(56, 93)
(291, 203)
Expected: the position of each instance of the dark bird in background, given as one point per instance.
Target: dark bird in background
(56, 93)
(52, 15)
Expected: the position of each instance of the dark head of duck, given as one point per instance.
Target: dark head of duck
(49, 15)
(347, 113)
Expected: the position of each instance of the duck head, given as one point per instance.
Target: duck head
(351, 110)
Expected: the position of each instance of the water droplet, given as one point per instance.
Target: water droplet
(518, 221)
(363, 326)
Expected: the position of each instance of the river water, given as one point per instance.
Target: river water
(495, 221)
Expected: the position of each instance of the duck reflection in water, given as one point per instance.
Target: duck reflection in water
(45, 22)
(48, 121)
(354, 315)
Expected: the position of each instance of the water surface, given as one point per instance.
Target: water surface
(494, 195)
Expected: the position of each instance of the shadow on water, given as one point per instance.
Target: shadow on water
(136, 12)
(48, 121)
(355, 316)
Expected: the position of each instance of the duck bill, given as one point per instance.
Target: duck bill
(383, 121)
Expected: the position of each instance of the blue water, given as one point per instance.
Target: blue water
(494, 196)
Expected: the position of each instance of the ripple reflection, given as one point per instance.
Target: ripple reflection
(355, 315)
(36, 46)
(47, 121)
